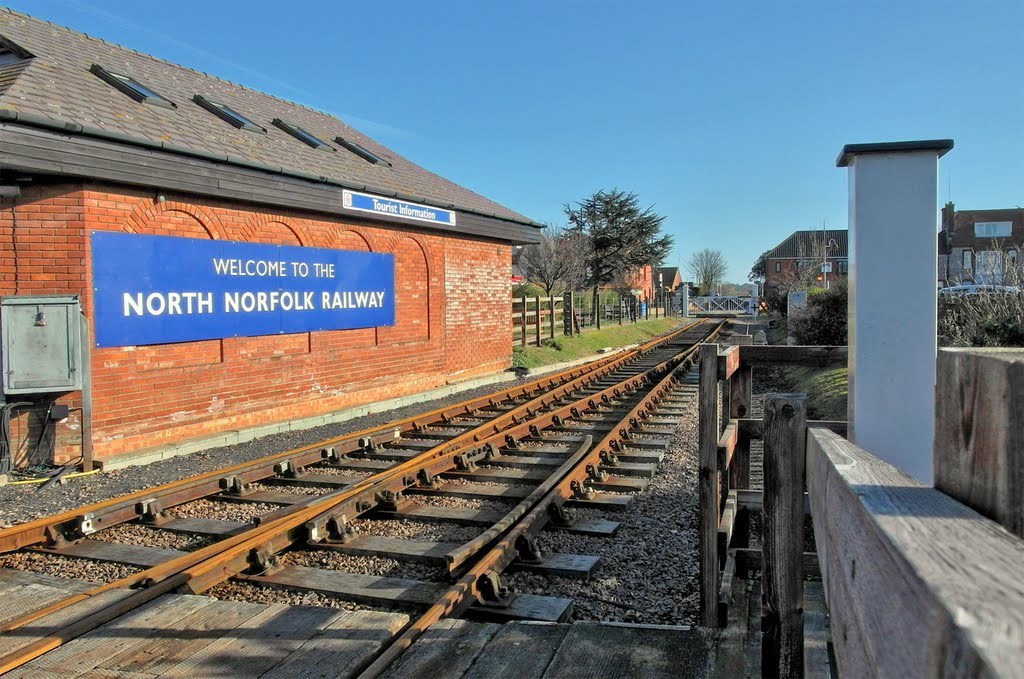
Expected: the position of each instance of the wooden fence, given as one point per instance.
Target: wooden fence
(535, 319)
(917, 583)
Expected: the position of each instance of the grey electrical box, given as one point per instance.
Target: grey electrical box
(42, 347)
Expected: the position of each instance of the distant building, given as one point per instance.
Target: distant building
(813, 248)
(668, 277)
(976, 246)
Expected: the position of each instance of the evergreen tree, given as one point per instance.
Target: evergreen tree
(622, 236)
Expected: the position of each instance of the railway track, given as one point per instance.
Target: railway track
(517, 462)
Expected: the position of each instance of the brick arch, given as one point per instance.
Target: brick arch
(347, 238)
(175, 218)
(263, 228)
(412, 290)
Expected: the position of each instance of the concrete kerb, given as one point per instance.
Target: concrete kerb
(237, 436)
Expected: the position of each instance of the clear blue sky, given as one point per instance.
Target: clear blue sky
(727, 117)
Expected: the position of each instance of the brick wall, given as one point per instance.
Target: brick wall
(149, 395)
(788, 270)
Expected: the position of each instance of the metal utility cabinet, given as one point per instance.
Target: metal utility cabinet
(42, 347)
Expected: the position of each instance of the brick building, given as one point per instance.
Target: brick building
(96, 139)
(976, 246)
(804, 250)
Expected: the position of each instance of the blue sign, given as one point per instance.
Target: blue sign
(160, 289)
(364, 202)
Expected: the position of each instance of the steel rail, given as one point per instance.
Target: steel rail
(264, 545)
(574, 471)
(215, 563)
(91, 518)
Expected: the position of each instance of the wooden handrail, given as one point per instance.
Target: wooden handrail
(917, 583)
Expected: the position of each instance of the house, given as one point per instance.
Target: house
(978, 246)
(239, 262)
(668, 278)
(800, 257)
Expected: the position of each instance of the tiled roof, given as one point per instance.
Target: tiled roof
(803, 244)
(56, 84)
(668, 274)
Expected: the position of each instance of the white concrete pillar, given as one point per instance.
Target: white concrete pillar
(892, 282)
(684, 300)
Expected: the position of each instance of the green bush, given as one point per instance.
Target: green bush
(552, 343)
(519, 359)
(527, 290)
(824, 320)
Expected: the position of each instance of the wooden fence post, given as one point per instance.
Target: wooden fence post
(536, 307)
(785, 445)
(569, 312)
(740, 399)
(523, 339)
(979, 432)
(551, 307)
(708, 484)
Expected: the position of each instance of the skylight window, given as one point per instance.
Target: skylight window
(11, 53)
(227, 114)
(131, 87)
(8, 56)
(362, 152)
(303, 136)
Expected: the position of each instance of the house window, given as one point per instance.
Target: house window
(131, 87)
(844, 266)
(992, 229)
(1011, 255)
(778, 267)
(967, 260)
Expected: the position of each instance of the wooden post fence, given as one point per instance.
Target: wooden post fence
(979, 432)
(551, 316)
(536, 308)
(782, 581)
(531, 323)
(523, 308)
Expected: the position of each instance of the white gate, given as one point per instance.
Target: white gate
(722, 304)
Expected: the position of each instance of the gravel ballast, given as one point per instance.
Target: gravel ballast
(648, 572)
(20, 503)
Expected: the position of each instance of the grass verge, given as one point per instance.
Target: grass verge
(826, 391)
(562, 349)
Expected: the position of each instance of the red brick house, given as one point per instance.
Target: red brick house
(802, 254)
(668, 277)
(96, 138)
(976, 246)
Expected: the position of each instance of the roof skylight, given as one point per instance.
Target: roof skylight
(362, 152)
(8, 56)
(227, 114)
(11, 53)
(302, 135)
(132, 88)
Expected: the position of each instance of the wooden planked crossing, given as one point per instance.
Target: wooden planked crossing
(458, 649)
(185, 636)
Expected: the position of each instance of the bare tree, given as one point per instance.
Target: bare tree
(707, 268)
(559, 259)
(807, 273)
